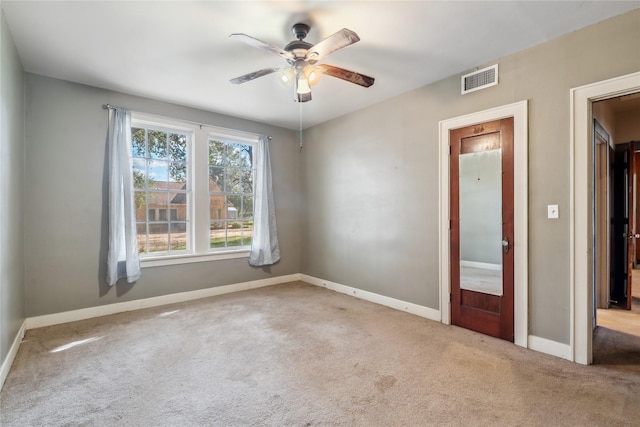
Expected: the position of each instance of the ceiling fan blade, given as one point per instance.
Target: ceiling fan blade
(350, 76)
(342, 38)
(252, 41)
(248, 77)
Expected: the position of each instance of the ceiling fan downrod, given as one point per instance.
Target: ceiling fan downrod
(300, 30)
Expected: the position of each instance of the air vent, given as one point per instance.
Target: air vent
(480, 79)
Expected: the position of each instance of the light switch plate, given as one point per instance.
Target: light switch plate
(552, 211)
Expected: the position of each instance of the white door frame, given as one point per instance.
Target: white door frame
(581, 131)
(519, 113)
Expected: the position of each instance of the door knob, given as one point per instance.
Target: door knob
(506, 245)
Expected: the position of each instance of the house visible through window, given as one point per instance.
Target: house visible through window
(193, 189)
(160, 175)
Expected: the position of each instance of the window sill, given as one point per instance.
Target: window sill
(190, 258)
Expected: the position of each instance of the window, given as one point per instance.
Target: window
(160, 171)
(230, 193)
(193, 191)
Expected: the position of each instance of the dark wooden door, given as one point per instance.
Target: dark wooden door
(636, 215)
(633, 232)
(623, 231)
(482, 231)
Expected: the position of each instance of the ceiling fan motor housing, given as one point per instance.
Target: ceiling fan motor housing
(299, 47)
(300, 30)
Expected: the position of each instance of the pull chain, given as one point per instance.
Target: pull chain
(300, 125)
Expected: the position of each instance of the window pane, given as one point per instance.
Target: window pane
(178, 206)
(178, 236)
(178, 147)
(216, 179)
(138, 142)
(231, 213)
(234, 204)
(140, 200)
(232, 181)
(217, 207)
(158, 200)
(142, 237)
(218, 234)
(178, 175)
(247, 208)
(234, 234)
(158, 171)
(216, 152)
(158, 237)
(157, 144)
(139, 174)
(235, 158)
(246, 157)
(247, 182)
(247, 233)
(161, 177)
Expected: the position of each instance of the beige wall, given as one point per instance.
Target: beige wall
(628, 126)
(371, 177)
(12, 294)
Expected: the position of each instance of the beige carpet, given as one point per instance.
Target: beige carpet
(298, 355)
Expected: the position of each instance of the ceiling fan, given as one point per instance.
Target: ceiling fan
(303, 57)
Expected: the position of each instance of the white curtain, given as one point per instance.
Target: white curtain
(123, 260)
(264, 245)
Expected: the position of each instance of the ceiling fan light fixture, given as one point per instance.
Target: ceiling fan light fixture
(285, 77)
(303, 90)
(312, 74)
(302, 84)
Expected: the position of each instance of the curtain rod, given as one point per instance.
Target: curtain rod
(111, 107)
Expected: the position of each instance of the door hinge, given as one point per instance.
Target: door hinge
(450, 298)
(449, 150)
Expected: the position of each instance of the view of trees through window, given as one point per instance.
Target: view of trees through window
(162, 190)
(230, 193)
(169, 214)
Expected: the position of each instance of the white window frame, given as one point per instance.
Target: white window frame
(228, 138)
(198, 177)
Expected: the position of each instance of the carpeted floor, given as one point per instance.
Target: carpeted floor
(616, 343)
(298, 355)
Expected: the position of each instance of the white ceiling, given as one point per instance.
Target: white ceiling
(180, 51)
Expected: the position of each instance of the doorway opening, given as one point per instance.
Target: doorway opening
(582, 205)
(616, 236)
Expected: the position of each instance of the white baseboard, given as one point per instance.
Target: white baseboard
(121, 307)
(534, 343)
(8, 361)
(552, 348)
(418, 310)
